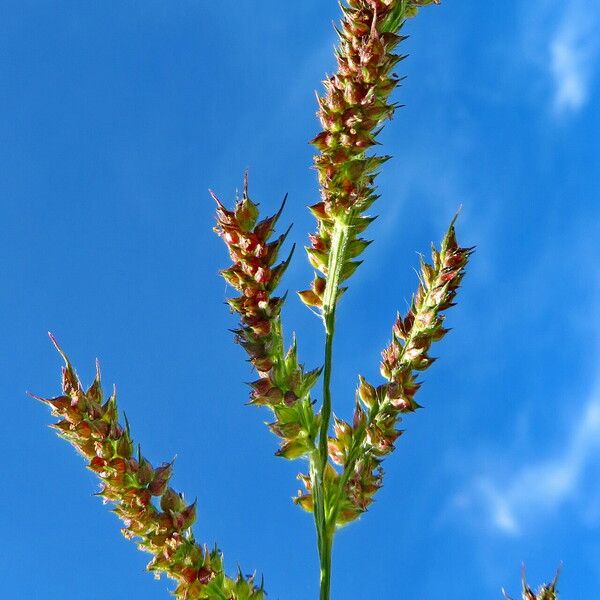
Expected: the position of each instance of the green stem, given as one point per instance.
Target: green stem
(329, 319)
(325, 556)
(325, 532)
(325, 528)
(318, 466)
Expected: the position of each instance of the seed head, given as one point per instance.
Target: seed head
(283, 385)
(352, 109)
(359, 447)
(129, 481)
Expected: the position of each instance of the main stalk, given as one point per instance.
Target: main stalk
(323, 523)
(352, 110)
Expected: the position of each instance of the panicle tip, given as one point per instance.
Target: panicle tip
(35, 396)
(58, 348)
(455, 217)
(283, 203)
(216, 198)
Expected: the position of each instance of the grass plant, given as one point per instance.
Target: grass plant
(344, 458)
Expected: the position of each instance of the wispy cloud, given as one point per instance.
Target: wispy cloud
(508, 502)
(573, 53)
(563, 47)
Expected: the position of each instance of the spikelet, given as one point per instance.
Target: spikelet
(131, 483)
(359, 447)
(351, 112)
(282, 384)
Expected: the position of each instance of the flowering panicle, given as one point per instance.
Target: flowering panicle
(359, 447)
(90, 423)
(352, 110)
(282, 384)
(545, 592)
(344, 461)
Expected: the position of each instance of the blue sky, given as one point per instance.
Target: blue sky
(117, 118)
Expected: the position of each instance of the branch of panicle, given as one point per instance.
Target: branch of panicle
(131, 483)
(545, 592)
(358, 448)
(282, 383)
(351, 111)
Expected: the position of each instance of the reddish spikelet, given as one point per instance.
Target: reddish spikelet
(359, 448)
(351, 112)
(131, 482)
(282, 384)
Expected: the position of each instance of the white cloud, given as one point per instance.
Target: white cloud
(573, 51)
(507, 503)
(561, 43)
